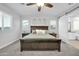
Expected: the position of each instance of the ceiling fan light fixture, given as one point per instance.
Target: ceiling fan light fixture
(40, 4)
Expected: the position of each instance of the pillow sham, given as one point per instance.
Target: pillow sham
(41, 31)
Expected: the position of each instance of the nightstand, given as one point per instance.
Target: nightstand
(24, 34)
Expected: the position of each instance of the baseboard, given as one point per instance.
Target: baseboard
(5, 45)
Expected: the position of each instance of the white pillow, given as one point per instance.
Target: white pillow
(38, 32)
(34, 31)
(41, 31)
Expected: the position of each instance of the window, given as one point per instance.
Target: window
(75, 24)
(53, 24)
(0, 20)
(5, 21)
(25, 24)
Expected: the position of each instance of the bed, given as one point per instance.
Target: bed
(40, 41)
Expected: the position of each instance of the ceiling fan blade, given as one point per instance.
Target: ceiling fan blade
(39, 8)
(48, 5)
(28, 4)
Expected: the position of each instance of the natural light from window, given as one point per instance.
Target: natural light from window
(0, 20)
(75, 24)
(25, 24)
(5, 21)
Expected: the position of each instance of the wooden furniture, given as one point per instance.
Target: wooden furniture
(40, 44)
(42, 28)
(53, 34)
(24, 34)
(39, 27)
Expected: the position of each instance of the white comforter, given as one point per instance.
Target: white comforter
(39, 36)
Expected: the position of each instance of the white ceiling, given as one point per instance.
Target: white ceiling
(32, 10)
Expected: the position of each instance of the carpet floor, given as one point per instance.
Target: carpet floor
(14, 50)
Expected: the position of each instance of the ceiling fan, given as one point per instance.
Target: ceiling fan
(39, 5)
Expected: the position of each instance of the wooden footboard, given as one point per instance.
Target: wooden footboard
(42, 44)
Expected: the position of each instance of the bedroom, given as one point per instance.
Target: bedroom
(55, 22)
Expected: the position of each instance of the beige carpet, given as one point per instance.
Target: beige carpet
(14, 50)
(74, 43)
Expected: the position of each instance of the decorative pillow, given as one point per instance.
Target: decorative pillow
(41, 31)
(38, 32)
(34, 31)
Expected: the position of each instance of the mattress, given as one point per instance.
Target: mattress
(39, 36)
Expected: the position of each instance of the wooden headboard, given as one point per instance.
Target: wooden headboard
(39, 27)
(42, 28)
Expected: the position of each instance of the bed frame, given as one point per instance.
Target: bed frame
(40, 44)
(39, 27)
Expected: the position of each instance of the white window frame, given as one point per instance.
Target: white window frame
(1, 21)
(23, 30)
(10, 22)
(74, 19)
(70, 23)
(3, 28)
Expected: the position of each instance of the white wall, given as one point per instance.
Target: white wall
(40, 21)
(63, 26)
(14, 34)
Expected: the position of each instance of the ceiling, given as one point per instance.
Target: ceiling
(33, 11)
